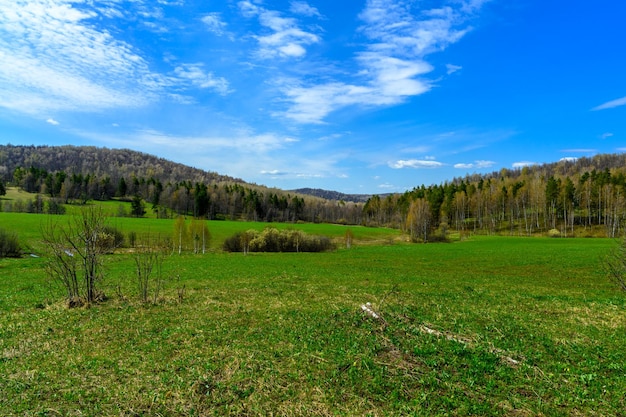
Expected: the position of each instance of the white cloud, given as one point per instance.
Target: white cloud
(285, 40)
(303, 8)
(55, 58)
(480, 164)
(52, 122)
(415, 163)
(58, 55)
(274, 172)
(523, 164)
(611, 104)
(392, 65)
(312, 104)
(606, 135)
(214, 23)
(451, 69)
(243, 141)
(196, 74)
(309, 175)
(568, 159)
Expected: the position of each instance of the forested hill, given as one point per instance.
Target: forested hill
(90, 160)
(76, 175)
(333, 195)
(584, 196)
(571, 168)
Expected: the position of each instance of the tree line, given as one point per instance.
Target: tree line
(558, 199)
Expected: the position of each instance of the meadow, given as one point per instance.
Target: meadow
(489, 325)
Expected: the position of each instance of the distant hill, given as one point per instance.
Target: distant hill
(115, 163)
(333, 195)
(78, 174)
(118, 163)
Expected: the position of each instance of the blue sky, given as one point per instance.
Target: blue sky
(368, 96)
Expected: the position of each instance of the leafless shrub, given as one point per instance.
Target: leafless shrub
(615, 265)
(76, 252)
(149, 259)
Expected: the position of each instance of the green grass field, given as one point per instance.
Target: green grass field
(486, 326)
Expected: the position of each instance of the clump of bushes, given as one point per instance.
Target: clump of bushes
(274, 240)
(9, 245)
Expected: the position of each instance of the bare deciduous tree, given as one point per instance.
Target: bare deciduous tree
(149, 259)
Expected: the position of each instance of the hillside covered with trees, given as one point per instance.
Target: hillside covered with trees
(585, 197)
(75, 175)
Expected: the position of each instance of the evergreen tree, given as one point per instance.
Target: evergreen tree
(137, 206)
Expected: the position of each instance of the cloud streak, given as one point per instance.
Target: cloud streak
(392, 64)
(201, 79)
(416, 164)
(611, 104)
(303, 8)
(481, 164)
(285, 39)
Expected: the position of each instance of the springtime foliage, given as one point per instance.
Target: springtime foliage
(274, 240)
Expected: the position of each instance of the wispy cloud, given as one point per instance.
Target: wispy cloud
(49, 54)
(611, 104)
(476, 165)
(606, 135)
(451, 69)
(274, 173)
(416, 163)
(196, 74)
(392, 64)
(214, 23)
(57, 55)
(522, 164)
(285, 38)
(303, 8)
(52, 122)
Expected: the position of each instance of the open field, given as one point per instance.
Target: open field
(487, 326)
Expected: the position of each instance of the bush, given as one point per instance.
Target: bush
(118, 236)
(554, 233)
(54, 207)
(9, 245)
(274, 240)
